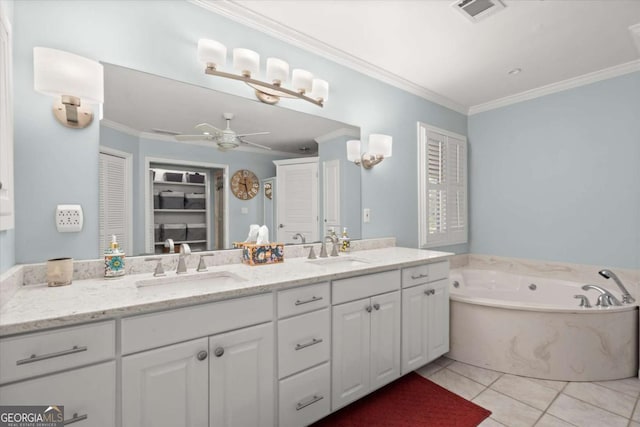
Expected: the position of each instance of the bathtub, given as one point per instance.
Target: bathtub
(534, 327)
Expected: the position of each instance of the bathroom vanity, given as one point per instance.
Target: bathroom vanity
(282, 345)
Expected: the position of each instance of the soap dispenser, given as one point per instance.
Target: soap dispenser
(345, 242)
(113, 260)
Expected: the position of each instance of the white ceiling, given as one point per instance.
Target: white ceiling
(142, 102)
(432, 46)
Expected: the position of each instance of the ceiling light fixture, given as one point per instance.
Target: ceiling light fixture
(246, 63)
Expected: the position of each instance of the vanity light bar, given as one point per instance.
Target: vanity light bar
(247, 63)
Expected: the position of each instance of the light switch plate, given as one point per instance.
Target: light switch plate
(366, 215)
(69, 218)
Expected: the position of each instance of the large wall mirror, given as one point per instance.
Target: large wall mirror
(152, 184)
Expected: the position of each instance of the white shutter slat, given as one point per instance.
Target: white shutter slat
(113, 200)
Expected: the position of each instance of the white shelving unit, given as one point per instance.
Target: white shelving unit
(182, 216)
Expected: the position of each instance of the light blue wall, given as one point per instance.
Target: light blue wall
(7, 237)
(558, 177)
(59, 165)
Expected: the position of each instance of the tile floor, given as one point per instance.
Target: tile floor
(524, 402)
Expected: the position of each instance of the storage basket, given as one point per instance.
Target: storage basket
(171, 200)
(196, 231)
(194, 201)
(196, 178)
(157, 233)
(173, 176)
(156, 200)
(177, 232)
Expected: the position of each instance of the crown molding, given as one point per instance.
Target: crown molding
(585, 79)
(247, 17)
(120, 127)
(348, 132)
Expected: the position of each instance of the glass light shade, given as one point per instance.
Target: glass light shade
(57, 73)
(212, 52)
(320, 89)
(353, 150)
(380, 144)
(246, 61)
(277, 71)
(301, 80)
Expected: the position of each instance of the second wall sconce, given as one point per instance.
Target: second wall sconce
(379, 149)
(77, 81)
(246, 63)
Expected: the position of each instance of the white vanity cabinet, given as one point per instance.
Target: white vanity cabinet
(225, 377)
(425, 314)
(88, 393)
(365, 334)
(304, 340)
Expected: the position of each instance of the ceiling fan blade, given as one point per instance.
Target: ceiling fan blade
(200, 137)
(254, 144)
(206, 127)
(255, 133)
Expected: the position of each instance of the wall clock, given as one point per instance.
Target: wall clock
(245, 184)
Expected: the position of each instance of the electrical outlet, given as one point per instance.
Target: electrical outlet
(366, 215)
(69, 218)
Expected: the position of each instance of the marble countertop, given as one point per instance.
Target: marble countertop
(36, 307)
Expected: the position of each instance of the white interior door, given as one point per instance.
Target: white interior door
(297, 201)
(331, 195)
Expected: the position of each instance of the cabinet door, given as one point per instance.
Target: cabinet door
(438, 318)
(415, 333)
(385, 339)
(166, 387)
(351, 352)
(242, 377)
(87, 394)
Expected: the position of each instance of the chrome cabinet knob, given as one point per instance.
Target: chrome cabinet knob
(202, 355)
(376, 306)
(368, 309)
(218, 351)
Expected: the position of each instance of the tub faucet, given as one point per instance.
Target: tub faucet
(185, 251)
(605, 299)
(626, 296)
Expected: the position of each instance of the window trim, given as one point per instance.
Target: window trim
(423, 186)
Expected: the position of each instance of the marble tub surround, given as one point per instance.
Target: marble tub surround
(38, 306)
(94, 268)
(581, 273)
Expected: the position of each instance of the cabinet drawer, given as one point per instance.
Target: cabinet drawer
(304, 398)
(87, 394)
(303, 299)
(303, 341)
(424, 273)
(41, 353)
(365, 286)
(168, 327)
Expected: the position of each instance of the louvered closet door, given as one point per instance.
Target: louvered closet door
(113, 211)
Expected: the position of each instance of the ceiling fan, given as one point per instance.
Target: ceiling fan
(226, 139)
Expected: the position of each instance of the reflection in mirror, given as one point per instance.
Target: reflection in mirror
(144, 113)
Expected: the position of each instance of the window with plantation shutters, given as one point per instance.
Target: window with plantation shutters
(442, 187)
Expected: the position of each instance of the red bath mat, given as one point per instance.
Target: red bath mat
(411, 401)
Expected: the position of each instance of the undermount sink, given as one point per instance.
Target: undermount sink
(339, 260)
(212, 278)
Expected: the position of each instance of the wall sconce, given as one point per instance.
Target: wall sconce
(246, 63)
(76, 80)
(379, 149)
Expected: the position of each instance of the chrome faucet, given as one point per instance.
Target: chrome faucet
(626, 296)
(295, 237)
(185, 251)
(605, 299)
(323, 248)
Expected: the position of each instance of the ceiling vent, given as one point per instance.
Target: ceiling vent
(477, 10)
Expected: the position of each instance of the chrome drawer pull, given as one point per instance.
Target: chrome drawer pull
(312, 299)
(75, 419)
(35, 358)
(419, 276)
(309, 344)
(314, 399)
